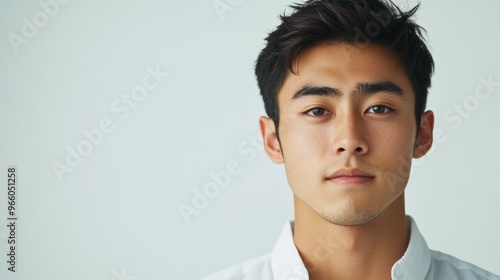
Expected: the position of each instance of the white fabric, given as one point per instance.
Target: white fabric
(418, 262)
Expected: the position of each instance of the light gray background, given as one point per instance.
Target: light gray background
(116, 214)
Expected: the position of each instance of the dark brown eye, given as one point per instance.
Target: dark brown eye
(379, 109)
(317, 112)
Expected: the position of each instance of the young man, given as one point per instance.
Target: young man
(345, 84)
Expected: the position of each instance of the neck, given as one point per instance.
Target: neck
(367, 251)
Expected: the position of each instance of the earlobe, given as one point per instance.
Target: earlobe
(271, 143)
(424, 138)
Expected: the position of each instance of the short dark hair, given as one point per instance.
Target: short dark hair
(356, 22)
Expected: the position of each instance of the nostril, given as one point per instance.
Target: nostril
(358, 149)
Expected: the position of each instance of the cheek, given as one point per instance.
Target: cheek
(303, 141)
(303, 150)
(395, 142)
(394, 148)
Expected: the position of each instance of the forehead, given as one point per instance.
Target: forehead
(344, 66)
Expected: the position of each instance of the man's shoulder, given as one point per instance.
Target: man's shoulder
(255, 268)
(455, 268)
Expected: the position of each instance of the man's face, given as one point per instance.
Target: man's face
(347, 131)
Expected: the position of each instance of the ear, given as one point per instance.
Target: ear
(424, 138)
(271, 143)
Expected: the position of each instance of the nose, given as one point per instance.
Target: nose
(350, 135)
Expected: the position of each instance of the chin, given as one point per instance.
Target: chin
(350, 215)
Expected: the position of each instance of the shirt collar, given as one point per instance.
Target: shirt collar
(286, 262)
(416, 260)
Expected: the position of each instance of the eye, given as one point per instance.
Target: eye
(379, 109)
(317, 112)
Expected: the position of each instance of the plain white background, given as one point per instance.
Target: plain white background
(116, 214)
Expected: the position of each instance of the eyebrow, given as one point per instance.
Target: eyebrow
(385, 86)
(316, 91)
(361, 89)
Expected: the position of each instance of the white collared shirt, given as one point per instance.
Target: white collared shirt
(418, 262)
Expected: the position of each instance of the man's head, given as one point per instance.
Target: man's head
(346, 83)
(356, 22)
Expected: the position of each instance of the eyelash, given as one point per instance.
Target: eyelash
(387, 109)
(308, 112)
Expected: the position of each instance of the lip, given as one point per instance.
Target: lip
(353, 176)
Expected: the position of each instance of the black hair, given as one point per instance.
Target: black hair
(357, 22)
